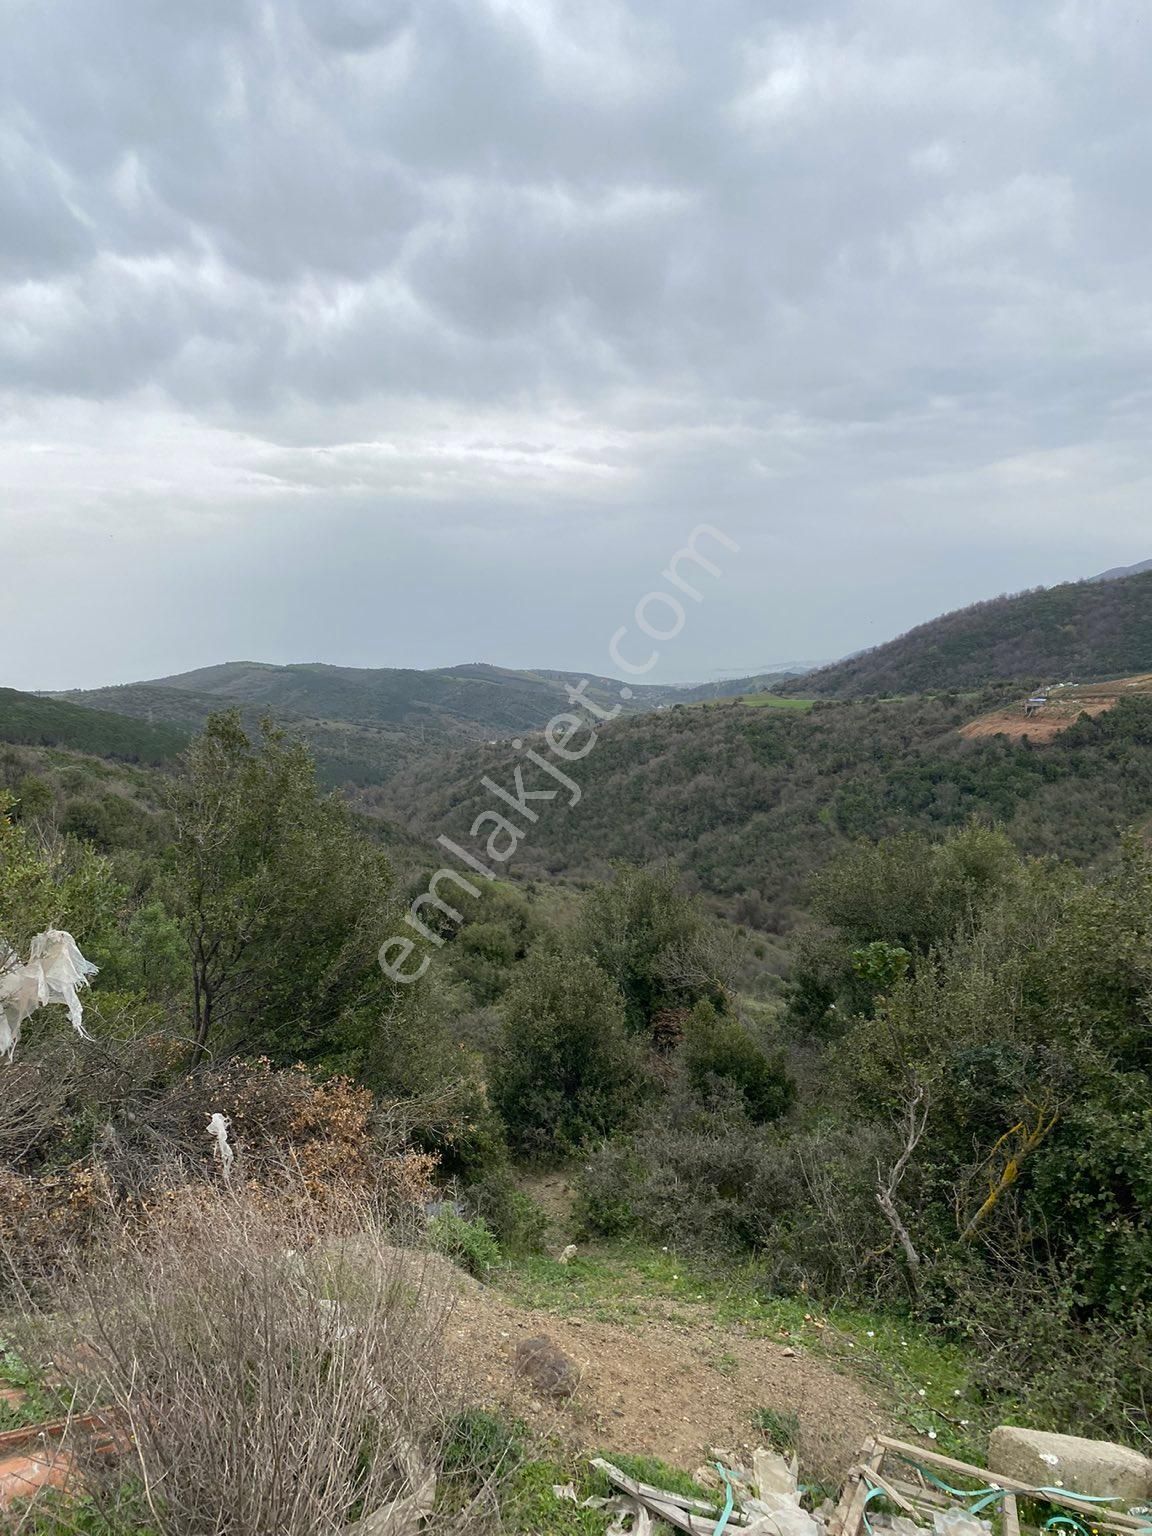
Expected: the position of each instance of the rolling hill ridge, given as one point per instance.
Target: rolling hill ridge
(749, 802)
(1078, 632)
(364, 724)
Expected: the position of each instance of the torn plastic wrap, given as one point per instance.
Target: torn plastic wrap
(218, 1128)
(55, 972)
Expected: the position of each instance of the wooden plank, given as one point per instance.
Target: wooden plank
(1011, 1515)
(849, 1511)
(28, 1434)
(657, 1501)
(1101, 1515)
(929, 1500)
(893, 1494)
(922, 1495)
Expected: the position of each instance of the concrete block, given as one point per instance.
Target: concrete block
(1082, 1466)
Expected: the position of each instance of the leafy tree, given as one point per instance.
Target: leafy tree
(1027, 1034)
(281, 901)
(34, 798)
(486, 949)
(887, 903)
(565, 1071)
(721, 1054)
(55, 882)
(910, 892)
(880, 965)
(641, 930)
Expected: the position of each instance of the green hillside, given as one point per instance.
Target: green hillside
(1072, 633)
(364, 724)
(33, 721)
(749, 802)
(473, 698)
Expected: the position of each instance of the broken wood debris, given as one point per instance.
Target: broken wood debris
(920, 1484)
(765, 1502)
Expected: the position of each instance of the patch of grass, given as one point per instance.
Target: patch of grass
(478, 1444)
(648, 1469)
(610, 1284)
(481, 1447)
(781, 1430)
(57, 1514)
(528, 1507)
(467, 1243)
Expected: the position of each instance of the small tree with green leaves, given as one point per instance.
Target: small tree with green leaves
(281, 900)
(648, 936)
(566, 1071)
(721, 1056)
(54, 882)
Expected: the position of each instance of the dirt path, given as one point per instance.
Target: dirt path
(671, 1386)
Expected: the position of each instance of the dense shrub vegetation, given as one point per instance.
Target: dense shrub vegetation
(1079, 631)
(33, 721)
(749, 803)
(943, 1109)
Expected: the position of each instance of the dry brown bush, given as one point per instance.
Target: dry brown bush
(266, 1372)
(43, 1219)
(297, 1142)
(325, 1135)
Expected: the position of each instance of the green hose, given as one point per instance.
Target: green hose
(729, 1502)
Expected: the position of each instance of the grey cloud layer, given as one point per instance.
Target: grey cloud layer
(838, 260)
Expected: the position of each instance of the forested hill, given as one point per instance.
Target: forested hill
(1080, 631)
(750, 802)
(363, 724)
(474, 697)
(29, 720)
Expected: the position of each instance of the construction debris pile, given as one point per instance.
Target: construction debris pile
(897, 1489)
(764, 1500)
(1080, 1487)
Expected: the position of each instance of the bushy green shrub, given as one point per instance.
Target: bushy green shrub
(645, 933)
(713, 1182)
(781, 1430)
(565, 1072)
(478, 1445)
(706, 1180)
(1031, 1343)
(484, 952)
(467, 1243)
(514, 1218)
(720, 1055)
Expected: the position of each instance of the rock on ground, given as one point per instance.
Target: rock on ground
(546, 1367)
(1082, 1466)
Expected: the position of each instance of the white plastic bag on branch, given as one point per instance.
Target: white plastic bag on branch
(55, 972)
(218, 1127)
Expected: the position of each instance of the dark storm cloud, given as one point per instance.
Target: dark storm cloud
(524, 263)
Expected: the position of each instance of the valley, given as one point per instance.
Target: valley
(698, 982)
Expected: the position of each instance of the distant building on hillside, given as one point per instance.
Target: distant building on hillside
(1035, 704)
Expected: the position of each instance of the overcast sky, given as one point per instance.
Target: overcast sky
(410, 332)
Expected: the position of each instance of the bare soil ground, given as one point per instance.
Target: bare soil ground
(672, 1385)
(1064, 708)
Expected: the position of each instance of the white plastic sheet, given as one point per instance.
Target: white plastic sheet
(218, 1128)
(55, 972)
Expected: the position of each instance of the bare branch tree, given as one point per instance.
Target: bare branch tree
(914, 1123)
